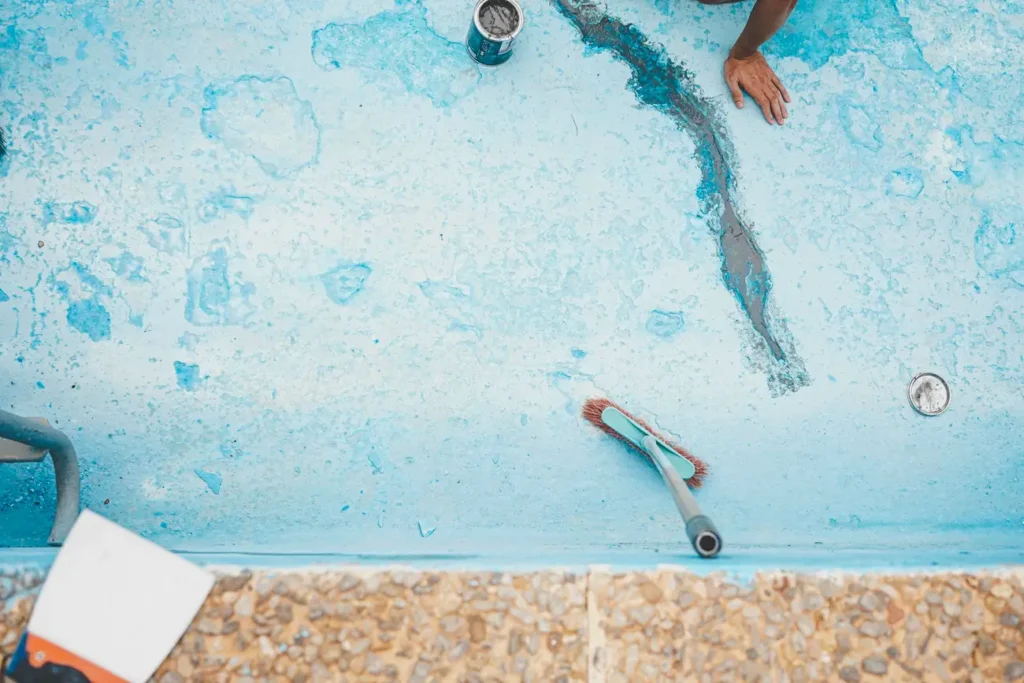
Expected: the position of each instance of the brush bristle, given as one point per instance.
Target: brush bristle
(592, 409)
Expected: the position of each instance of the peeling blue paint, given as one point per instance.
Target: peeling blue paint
(75, 213)
(215, 296)
(905, 182)
(225, 202)
(187, 375)
(165, 233)
(253, 113)
(212, 480)
(665, 324)
(399, 44)
(344, 281)
(90, 318)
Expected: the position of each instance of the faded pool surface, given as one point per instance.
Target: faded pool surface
(300, 277)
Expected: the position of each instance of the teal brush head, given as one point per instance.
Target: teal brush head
(616, 422)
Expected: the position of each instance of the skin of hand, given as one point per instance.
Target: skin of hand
(753, 76)
(746, 68)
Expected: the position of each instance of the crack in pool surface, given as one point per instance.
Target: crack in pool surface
(666, 86)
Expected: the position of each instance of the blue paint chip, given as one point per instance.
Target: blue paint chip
(75, 213)
(211, 479)
(187, 375)
(3, 296)
(40, 385)
(578, 353)
(665, 324)
(904, 182)
(345, 507)
(128, 266)
(344, 281)
(90, 318)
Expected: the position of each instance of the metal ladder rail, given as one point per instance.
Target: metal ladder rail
(29, 440)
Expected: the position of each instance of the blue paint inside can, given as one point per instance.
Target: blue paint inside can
(495, 26)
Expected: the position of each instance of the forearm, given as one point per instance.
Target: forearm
(766, 18)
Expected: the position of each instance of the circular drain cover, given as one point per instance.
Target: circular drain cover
(928, 393)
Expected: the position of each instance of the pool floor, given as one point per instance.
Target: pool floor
(301, 277)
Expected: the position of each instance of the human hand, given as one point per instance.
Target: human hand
(754, 76)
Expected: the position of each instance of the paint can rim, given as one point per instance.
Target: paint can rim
(489, 36)
(941, 381)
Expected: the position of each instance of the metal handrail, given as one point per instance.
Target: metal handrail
(41, 436)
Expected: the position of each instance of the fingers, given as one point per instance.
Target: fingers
(782, 89)
(737, 94)
(778, 109)
(766, 108)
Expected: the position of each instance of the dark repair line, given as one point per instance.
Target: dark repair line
(659, 83)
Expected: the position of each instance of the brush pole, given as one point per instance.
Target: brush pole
(699, 528)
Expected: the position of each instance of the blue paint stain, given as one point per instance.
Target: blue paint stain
(90, 318)
(264, 118)
(127, 266)
(665, 324)
(344, 281)
(345, 507)
(187, 375)
(75, 213)
(859, 126)
(94, 26)
(188, 341)
(904, 182)
(10, 39)
(999, 251)
(120, 45)
(165, 233)
(3, 296)
(578, 353)
(211, 479)
(223, 202)
(820, 30)
(400, 44)
(40, 385)
(213, 297)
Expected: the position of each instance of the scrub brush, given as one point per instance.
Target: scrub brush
(673, 462)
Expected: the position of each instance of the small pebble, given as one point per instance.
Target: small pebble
(849, 674)
(650, 591)
(477, 629)
(870, 602)
(875, 665)
(1014, 671)
(1002, 591)
(873, 629)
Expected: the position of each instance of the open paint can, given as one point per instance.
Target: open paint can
(496, 23)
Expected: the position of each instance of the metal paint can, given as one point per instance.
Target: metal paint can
(496, 23)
